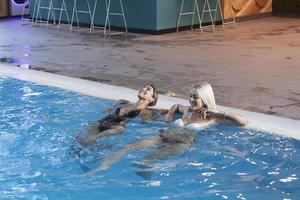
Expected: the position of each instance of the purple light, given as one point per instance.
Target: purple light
(18, 2)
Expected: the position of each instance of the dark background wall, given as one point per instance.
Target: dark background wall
(286, 8)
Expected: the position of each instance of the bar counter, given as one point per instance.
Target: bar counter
(149, 16)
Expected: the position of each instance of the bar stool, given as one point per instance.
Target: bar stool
(218, 6)
(25, 7)
(108, 13)
(93, 27)
(76, 11)
(49, 7)
(34, 13)
(233, 21)
(207, 9)
(195, 7)
(61, 9)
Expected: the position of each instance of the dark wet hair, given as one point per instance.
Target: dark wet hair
(154, 95)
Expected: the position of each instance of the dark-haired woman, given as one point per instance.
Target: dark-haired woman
(114, 123)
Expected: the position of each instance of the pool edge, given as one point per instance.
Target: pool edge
(258, 121)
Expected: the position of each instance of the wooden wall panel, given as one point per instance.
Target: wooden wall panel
(3, 8)
(246, 7)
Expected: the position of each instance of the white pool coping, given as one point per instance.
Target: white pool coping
(272, 124)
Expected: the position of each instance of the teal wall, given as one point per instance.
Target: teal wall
(168, 12)
(140, 14)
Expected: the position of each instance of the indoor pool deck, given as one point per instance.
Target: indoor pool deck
(255, 67)
(262, 122)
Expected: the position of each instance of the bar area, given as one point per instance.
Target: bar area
(148, 16)
(144, 16)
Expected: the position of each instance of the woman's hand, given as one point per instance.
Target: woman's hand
(174, 109)
(170, 114)
(169, 118)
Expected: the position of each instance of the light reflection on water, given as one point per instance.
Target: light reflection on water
(37, 133)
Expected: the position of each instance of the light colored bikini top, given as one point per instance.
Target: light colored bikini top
(194, 126)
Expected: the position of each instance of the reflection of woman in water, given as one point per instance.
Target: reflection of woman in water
(114, 123)
(169, 142)
(173, 141)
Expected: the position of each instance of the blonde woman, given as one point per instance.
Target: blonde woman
(202, 110)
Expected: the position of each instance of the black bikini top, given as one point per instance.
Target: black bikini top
(130, 114)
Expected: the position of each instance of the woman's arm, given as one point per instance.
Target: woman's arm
(148, 115)
(152, 114)
(174, 109)
(234, 118)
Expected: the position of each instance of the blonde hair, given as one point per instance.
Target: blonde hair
(205, 92)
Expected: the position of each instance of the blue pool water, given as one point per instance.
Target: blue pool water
(37, 161)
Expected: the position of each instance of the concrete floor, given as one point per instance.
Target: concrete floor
(255, 67)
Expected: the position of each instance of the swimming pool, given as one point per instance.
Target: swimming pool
(37, 138)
